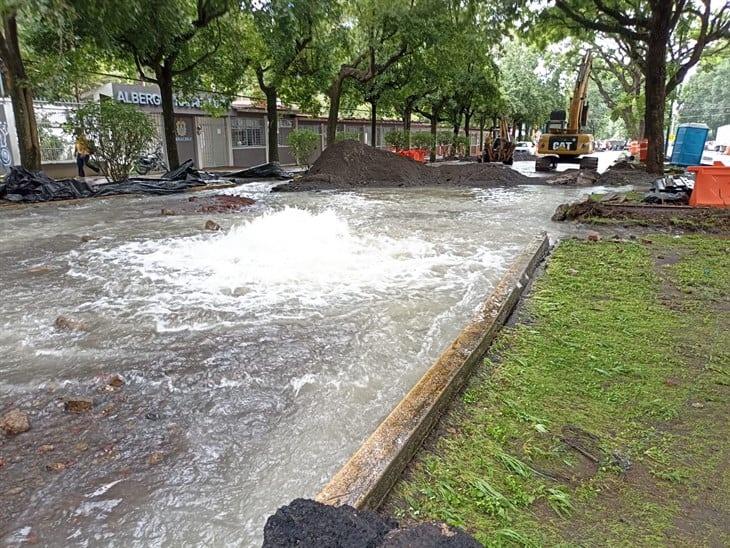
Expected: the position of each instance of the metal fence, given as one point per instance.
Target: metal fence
(55, 130)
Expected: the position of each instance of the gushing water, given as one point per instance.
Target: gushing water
(256, 359)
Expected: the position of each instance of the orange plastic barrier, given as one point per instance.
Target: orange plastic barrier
(638, 149)
(417, 154)
(712, 186)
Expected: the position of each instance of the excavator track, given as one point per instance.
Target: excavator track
(545, 163)
(589, 163)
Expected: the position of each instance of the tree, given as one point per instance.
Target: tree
(47, 13)
(376, 41)
(282, 31)
(119, 133)
(666, 37)
(705, 97)
(530, 85)
(181, 35)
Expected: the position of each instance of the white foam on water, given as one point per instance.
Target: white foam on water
(281, 256)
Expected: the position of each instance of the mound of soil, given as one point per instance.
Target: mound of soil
(626, 173)
(349, 164)
(618, 212)
(522, 156)
(307, 523)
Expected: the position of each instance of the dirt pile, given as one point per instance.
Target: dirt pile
(349, 164)
(574, 177)
(307, 523)
(613, 210)
(480, 175)
(523, 156)
(626, 173)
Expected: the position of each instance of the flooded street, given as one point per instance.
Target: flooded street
(255, 359)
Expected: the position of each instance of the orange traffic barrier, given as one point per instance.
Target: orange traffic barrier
(417, 154)
(638, 149)
(712, 186)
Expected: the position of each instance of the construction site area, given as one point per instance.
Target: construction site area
(364, 273)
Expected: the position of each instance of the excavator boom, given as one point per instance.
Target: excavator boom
(578, 101)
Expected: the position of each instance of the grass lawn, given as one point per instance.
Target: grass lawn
(602, 417)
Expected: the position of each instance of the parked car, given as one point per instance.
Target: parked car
(525, 146)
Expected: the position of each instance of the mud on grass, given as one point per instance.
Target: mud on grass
(601, 417)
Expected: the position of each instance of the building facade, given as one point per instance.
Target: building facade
(236, 139)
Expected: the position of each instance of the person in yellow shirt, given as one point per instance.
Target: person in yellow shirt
(83, 152)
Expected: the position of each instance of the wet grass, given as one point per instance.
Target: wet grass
(601, 418)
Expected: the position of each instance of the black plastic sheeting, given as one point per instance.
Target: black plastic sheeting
(21, 185)
(271, 170)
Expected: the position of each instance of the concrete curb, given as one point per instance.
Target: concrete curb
(365, 480)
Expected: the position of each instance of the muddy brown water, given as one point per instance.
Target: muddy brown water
(255, 359)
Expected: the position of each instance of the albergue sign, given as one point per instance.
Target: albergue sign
(153, 99)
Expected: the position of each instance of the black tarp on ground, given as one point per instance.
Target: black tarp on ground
(22, 185)
(262, 171)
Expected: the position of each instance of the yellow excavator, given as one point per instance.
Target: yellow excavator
(561, 142)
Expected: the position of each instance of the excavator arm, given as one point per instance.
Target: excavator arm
(578, 102)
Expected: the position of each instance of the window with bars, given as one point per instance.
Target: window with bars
(247, 132)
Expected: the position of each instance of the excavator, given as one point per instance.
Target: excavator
(563, 143)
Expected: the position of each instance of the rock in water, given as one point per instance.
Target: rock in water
(78, 405)
(64, 323)
(15, 422)
(212, 225)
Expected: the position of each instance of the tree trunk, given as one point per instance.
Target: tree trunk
(467, 121)
(334, 93)
(407, 115)
(272, 119)
(373, 122)
(655, 86)
(434, 127)
(164, 80)
(21, 96)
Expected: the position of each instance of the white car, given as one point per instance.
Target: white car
(525, 146)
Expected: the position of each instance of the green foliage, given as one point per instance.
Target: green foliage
(422, 140)
(705, 98)
(444, 138)
(530, 83)
(119, 132)
(303, 143)
(396, 139)
(347, 136)
(461, 145)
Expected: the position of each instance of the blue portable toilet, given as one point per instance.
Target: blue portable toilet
(689, 144)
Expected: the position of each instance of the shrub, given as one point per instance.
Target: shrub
(444, 138)
(119, 133)
(303, 143)
(461, 145)
(396, 139)
(422, 140)
(347, 136)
